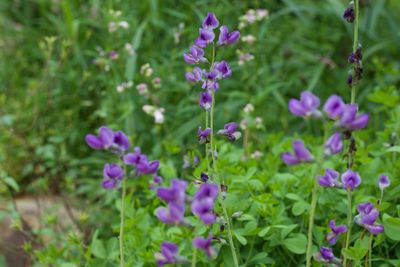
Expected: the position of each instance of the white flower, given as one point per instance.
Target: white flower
(124, 24)
(248, 108)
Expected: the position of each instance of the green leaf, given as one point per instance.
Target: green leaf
(240, 238)
(392, 227)
(264, 231)
(394, 149)
(296, 244)
(98, 249)
(299, 208)
(11, 183)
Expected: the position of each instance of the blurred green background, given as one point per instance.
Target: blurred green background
(59, 79)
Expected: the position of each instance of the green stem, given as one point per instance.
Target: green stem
(121, 230)
(349, 223)
(369, 257)
(194, 257)
(355, 45)
(230, 235)
(207, 149)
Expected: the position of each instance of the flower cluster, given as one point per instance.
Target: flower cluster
(118, 143)
(350, 179)
(367, 216)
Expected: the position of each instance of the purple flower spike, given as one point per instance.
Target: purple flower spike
(333, 145)
(367, 217)
(301, 154)
(383, 181)
(205, 37)
(223, 69)
(194, 76)
(226, 37)
(306, 107)
(330, 179)
(334, 107)
(205, 245)
(230, 131)
(351, 179)
(336, 231)
(112, 174)
(349, 14)
(103, 141)
(195, 55)
(168, 254)
(203, 135)
(205, 100)
(210, 21)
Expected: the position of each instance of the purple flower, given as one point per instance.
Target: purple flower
(301, 154)
(205, 100)
(230, 131)
(147, 167)
(112, 173)
(349, 119)
(383, 181)
(330, 179)
(334, 107)
(168, 254)
(203, 135)
(195, 55)
(175, 193)
(367, 217)
(336, 231)
(223, 69)
(210, 81)
(205, 245)
(205, 37)
(348, 14)
(174, 214)
(226, 37)
(334, 144)
(210, 21)
(325, 255)
(194, 76)
(351, 179)
(203, 203)
(306, 107)
(135, 158)
(117, 142)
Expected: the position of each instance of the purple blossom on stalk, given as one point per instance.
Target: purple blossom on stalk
(348, 13)
(351, 179)
(204, 177)
(112, 173)
(195, 55)
(135, 158)
(301, 154)
(334, 107)
(203, 135)
(205, 100)
(205, 37)
(383, 181)
(210, 81)
(349, 119)
(330, 179)
(367, 217)
(167, 255)
(326, 255)
(147, 167)
(205, 245)
(194, 76)
(223, 69)
(117, 142)
(230, 131)
(226, 37)
(334, 144)
(335, 232)
(210, 21)
(306, 107)
(203, 203)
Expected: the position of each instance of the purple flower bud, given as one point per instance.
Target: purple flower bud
(195, 55)
(367, 217)
(330, 179)
(301, 154)
(205, 37)
(351, 179)
(226, 37)
(103, 141)
(352, 58)
(334, 107)
(168, 254)
(306, 107)
(157, 179)
(230, 131)
(203, 135)
(194, 76)
(210, 21)
(205, 100)
(334, 144)
(204, 177)
(349, 79)
(335, 232)
(112, 173)
(349, 14)
(223, 69)
(205, 245)
(383, 181)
